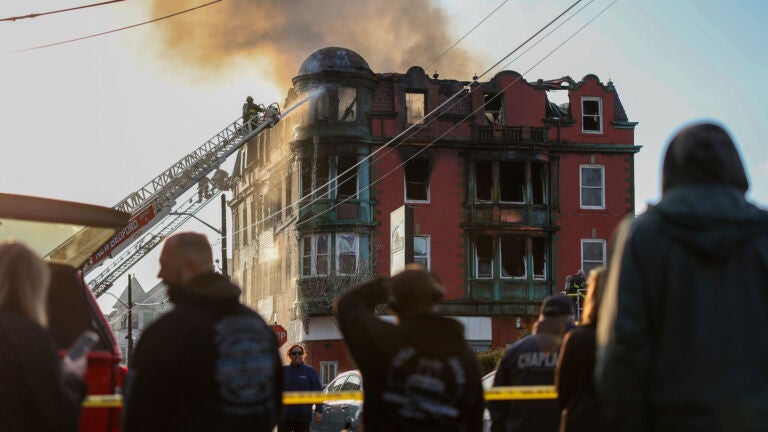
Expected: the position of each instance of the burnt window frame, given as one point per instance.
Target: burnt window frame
(495, 178)
(533, 270)
(409, 114)
(491, 98)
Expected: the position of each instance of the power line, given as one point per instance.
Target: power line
(420, 127)
(466, 34)
(35, 15)
(118, 29)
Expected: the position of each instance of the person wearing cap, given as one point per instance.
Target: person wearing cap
(683, 326)
(532, 361)
(419, 374)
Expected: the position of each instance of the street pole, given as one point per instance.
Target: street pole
(224, 235)
(129, 359)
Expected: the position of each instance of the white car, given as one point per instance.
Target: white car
(341, 415)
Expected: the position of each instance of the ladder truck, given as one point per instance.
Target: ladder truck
(153, 206)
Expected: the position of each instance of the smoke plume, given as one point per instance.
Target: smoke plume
(278, 35)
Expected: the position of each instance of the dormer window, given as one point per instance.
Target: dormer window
(592, 115)
(415, 107)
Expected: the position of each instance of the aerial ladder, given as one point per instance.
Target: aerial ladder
(152, 206)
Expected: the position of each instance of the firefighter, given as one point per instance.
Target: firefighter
(250, 111)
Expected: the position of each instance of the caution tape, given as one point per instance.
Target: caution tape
(305, 398)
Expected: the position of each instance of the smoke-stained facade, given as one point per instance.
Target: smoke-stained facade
(511, 193)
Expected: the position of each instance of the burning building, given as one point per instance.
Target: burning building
(507, 190)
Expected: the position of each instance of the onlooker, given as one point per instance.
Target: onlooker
(531, 361)
(683, 327)
(209, 364)
(298, 376)
(575, 373)
(37, 391)
(419, 374)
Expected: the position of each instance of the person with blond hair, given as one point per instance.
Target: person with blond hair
(299, 376)
(580, 410)
(38, 392)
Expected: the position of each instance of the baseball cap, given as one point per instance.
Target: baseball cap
(556, 305)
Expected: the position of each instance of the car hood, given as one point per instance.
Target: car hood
(60, 231)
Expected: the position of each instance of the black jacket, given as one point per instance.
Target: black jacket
(580, 410)
(211, 364)
(34, 394)
(529, 361)
(682, 334)
(419, 375)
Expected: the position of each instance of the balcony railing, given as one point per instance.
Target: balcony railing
(521, 134)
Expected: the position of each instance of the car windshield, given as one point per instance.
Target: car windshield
(60, 231)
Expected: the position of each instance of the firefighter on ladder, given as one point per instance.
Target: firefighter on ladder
(250, 111)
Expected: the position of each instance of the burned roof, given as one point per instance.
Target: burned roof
(334, 59)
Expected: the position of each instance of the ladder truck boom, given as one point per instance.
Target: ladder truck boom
(151, 205)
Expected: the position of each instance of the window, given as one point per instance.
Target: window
(421, 250)
(592, 254)
(484, 257)
(328, 371)
(417, 180)
(314, 257)
(415, 107)
(494, 108)
(314, 177)
(346, 253)
(347, 104)
(516, 182)
(346, 181)
(352, 383)
(592, 115)
(516, 257)
(592, 181)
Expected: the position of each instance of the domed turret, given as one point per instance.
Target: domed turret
(334, 59)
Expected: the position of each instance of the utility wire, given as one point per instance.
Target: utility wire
(433, 118)
(466, 34)
(35, 15)
(118, 29)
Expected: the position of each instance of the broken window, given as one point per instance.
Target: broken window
(514, 259)
(314, 177)
(539, 257)
(512, 181)
(484, 256)
(592, 181)
(346, 176)
(314, 257)
(591, 114)
(322, 106)
(415, 107)
(417, 179)
(592, 254)
(494, 108)
(346, 253)
(538, 183)
(347, 104)
(483, 181)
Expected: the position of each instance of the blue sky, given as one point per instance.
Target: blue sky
(96, 119)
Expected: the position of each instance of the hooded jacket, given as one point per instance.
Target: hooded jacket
(210, 364)
(419, 375)
(683, 329)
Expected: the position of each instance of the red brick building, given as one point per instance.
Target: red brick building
(511, 192)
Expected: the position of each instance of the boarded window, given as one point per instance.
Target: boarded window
(415, 107)
(512, 181)
(484, 256)
(483, 181)
(513, 257)
(417, 179)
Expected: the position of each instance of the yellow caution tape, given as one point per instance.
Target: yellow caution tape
(304, 397)
(103, 401)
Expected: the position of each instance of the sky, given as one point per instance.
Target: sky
(96, 119)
